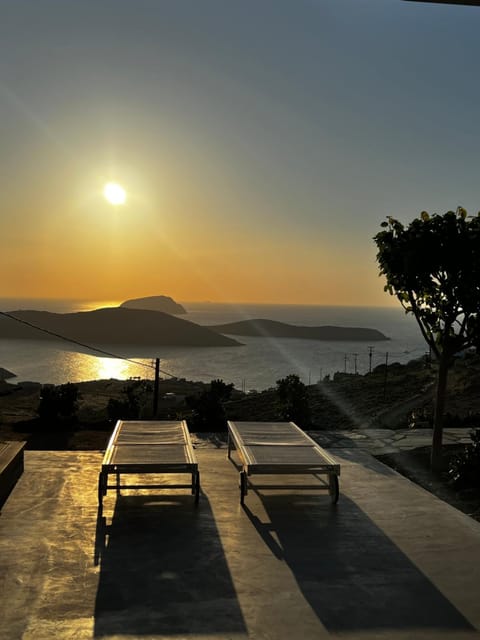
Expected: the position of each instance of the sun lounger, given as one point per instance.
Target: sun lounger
(277, 448)
(160, 447)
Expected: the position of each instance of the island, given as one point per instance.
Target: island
(155, 303)
(272, 328)
(115, 325)
(5, 374)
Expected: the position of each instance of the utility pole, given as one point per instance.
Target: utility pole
(370, 352)
(385, 379)
(355, 356)
(345, 363)
(155, 386)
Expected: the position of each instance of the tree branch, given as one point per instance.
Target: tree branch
(427, 334)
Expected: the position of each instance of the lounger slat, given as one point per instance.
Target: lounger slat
(147, 438)
(149, 454)
(147, 433)
(285, 454)
(271, 432)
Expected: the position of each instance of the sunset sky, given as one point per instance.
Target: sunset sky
(260, 142)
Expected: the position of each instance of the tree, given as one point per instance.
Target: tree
(132, 404)
(58, 401)
(433, 267)
(208, 411)
(293, 400)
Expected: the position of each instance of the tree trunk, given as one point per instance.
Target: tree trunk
(441, 394)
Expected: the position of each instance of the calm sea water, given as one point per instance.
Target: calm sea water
(256, 365)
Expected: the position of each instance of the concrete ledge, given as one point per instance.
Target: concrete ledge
(11, 467)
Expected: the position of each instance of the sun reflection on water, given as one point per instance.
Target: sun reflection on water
(78, 367)
(97, 304)
(111, 368)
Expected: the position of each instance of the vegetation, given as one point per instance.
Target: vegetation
(132, 405)
(433, 267)
(387, 397)
(57, 401)
(208, 408)
(464, 468)
(293, 401)
(122, 409)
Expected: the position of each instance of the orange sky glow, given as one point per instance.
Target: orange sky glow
(254, 171)
(95, 251)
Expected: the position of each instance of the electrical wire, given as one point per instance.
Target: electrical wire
(82, 344)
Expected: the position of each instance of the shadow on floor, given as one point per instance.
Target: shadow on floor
(352, 575)
(359, 456)
(163, 570)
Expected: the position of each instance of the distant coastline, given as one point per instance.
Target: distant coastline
(257, 365)
(113, 325)
(152, 320)
(272, 328)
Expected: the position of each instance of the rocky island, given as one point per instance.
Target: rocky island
(272, 328)
(155, 303)
(5, 374)
(115, 325)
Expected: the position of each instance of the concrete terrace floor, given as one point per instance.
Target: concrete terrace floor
(389, 561)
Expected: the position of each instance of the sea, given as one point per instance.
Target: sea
(255, 366)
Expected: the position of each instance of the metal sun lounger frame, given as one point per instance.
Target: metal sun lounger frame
(281, 448)
(149, 447)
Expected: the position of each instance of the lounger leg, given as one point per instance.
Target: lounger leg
(229, 446)
(118, 483)
(102, 488)
(197, 487)
(333, 488)
(243, 486)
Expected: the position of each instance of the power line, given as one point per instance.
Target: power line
(82, 344)
(471, 3)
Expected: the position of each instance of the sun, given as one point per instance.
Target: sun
(114, 193)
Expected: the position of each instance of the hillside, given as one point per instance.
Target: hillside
(112, 326)
(384, 398)
(155, 303)
(262, 327)
(397, 397)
